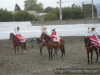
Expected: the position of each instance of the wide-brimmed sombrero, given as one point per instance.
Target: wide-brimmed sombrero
(53, 29)
(92, 27)
(44, 27)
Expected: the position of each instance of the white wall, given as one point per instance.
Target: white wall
(7, 27)
(35, 31)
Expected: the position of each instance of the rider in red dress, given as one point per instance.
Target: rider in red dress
(95, 40)
(54, 35)
(19, 36)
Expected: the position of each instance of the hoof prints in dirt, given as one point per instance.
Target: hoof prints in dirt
(78, 70)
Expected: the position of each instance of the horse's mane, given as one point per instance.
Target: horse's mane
(45, 37)
(12, 36)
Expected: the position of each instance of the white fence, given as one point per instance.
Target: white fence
(34, 31)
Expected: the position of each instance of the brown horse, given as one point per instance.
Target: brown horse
(16, 43)
(90, 49)
(51, 45)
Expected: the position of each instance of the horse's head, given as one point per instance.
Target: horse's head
(12, 36)
(87, 41)
(45, 37)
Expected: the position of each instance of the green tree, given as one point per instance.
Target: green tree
(67, 13)
(23, 16)
(72, 13)
(77, 13)
(33, 5)
(48, 9)
(87, 10)
(53, 14)
(5, 15)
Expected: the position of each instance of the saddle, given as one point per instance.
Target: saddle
(95, 41)
(20, 38)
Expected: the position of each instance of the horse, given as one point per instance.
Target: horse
(90, 48)
(45, 40)
(16, 43)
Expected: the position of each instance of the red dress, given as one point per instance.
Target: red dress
(55, 36)
(95, 41)
(20, 37)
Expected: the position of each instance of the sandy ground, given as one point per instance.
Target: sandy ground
(30, 62)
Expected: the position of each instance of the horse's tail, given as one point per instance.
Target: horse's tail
(62, 40)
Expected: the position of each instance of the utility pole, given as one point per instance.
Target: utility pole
(92, 10)
(60, 10)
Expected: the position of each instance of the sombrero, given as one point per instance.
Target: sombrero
(44, 27)
(53, 29)
(91, 27)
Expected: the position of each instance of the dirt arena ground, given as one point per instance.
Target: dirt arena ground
(30, 62)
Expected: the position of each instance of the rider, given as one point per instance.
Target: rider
(94, 36)
(54, 35)
(17, 30)
(92, 31)
(44, 32)
(18, 35)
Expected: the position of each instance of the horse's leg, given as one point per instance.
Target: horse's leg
(88, 56)
(63, 51)
(24, 45)
(99, 51)
(15, 48)
(21, 47)
(18, 48)
(55, 51)
(96, 50)
(49, 52)
(41, 47)
(91, 55)
(41, 50)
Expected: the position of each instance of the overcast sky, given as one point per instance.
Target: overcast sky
(9, 4)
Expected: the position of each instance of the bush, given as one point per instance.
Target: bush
(72, 13)
(5, 15)
(23, 16)
(15, 16)
(53, 15)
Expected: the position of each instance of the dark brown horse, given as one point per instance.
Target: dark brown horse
(51, 45)
(16, 43)
(90, 48)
